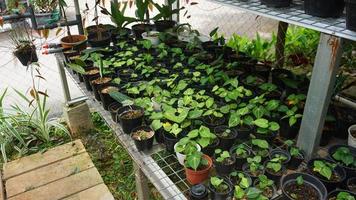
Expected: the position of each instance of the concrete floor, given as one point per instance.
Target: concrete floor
(204, 17)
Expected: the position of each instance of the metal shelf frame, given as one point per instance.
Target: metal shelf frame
(333, 34)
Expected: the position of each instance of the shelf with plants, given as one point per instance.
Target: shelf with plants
(191, 111)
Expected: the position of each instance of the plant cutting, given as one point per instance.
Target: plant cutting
(266, 185)
(345, 156)
(297, 157)
(240, 152)
(197, 167)
(184, 147)
(102, 79)
(327, 172)
(341, 195)
(253, 167)
(207, 140)
(76, 42)
(24, 48)
(143, 137)
(220, 188)
(241, 179)
(302, 186)
(224, 162)
(283, 155)
(226, 136)
(242, 121)
(274, 168)
(130, 117)
(290, 123)
(266, 129)
(250, 193)
(260, 147)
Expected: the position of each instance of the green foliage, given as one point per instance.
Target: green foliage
(344, 155)
(345, 196)
(264, 126)
(255, 164)
(300, 180)
(324, 168)
(195, 161)
(141, 9)
(165, 10)
(250, 193)
(202, 135)
(221, 156)
(219, 184)
(264, 182)
(117, 15)
(186, 146)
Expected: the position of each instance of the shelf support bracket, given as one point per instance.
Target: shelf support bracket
(320, 90)
(281, 38)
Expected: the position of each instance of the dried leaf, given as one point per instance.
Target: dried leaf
(33, 93)
(150, 6)
(59, 29)
(193, 3)
(130, 3)
(86, 6)
(1, 21)
(45, 33)
(43, 93)
(41, 77)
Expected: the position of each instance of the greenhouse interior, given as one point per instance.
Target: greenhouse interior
(178, 99)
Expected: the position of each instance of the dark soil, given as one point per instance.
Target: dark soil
(268, 192)
(131, 114)
(92, 71)
(352, 187)
(228, 161)
(256, 173)
(304, 191)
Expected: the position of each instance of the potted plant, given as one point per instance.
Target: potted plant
(184, 147)
(224, 162)
(290, 123)
(253, 167)
(265, 129)
(345, 156)
(46, 11)
(302, 186)
(105, 91)
(226, 136)
(143, 25)
(282, 154)
(327, 172)
(98, 81)
(163, 20)
(143, 137)
(172, 133)
(24, 49)
(274, 169)
(241, 179)
(297, 157)
(266, 185)
(220, 188)
(241, 152)
(352, 136)
(76, 42)
(207, 140)
(260, 147)
(341, 195)
(250, 193)
(197, 167)
(130, 117)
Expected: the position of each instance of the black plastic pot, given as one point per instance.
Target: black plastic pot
(244, 131)
(87, 77)
(308, 179)
(96, 87)
(170, 141)
(159, 135)
(286, 131)
(129, 124)
(269, 136)
(214, 195)
(272, 175)
(163, 25)
(218, 122)
(120, 34)
(274, 152)
(143, 145)
(263, 70)
(95, 41)
(330, 185)
(27, 55)
(295, 161)
(350, 172)
(324, 8)
(351, 184)
(239, 161)
(276, 3)
(105, 97)
(333, 194)
(138, 29)
(209, 150)
(225, 142)
(351, 14)
(198, 192)
(272, 187)
(224, 169)
(113, 108)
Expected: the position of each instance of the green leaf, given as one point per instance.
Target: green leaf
(234, 120)
(263, 123)
(209, 102)
(193, 160)
(274, 126)
(156, 124)
(194, 114)
(193, 133)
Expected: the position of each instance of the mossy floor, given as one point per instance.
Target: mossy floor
(112, 161)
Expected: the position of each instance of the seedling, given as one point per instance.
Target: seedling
(292, 115)
(196, 161)
(345, 196)
(265, 127)
(221, 156)
(344, 155)
(324, 168)
(241, 152)
(186, 146)
(275, 163)
(255, 165)
(264, 182)
(300, 180)
(242, 180)
(219, 184)
(203, 136)
(251, 193)
(142, 135)
(262, 147)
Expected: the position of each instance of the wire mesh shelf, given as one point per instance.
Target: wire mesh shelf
(294, 15)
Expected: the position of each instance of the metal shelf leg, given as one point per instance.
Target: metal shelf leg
(319, 94)
(281, 38)
(141, 183)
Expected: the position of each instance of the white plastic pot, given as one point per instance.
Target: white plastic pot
(352, 140)
(152, 36)
(181, 157)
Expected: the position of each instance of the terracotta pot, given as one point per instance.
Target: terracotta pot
(78, 42)
(195, 177)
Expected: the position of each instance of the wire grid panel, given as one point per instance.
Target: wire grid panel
(294, 15)
(207, 15)
(154, 169)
